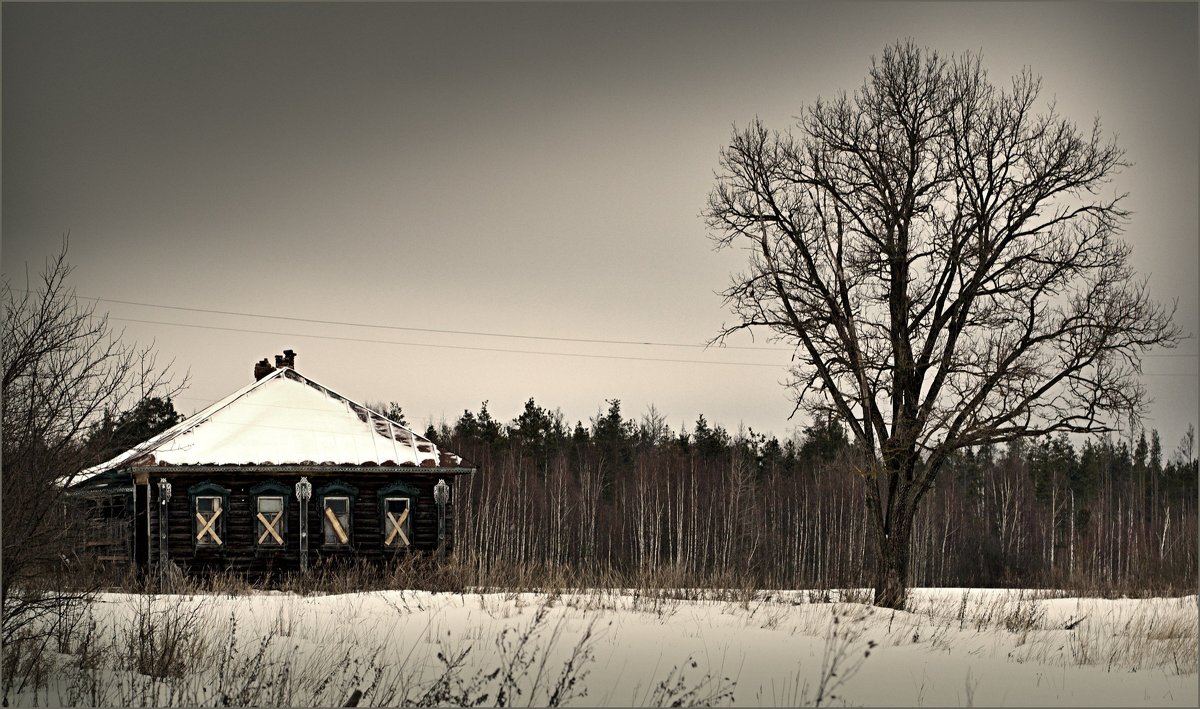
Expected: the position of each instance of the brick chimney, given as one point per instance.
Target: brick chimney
(287, 360)
(262, 369)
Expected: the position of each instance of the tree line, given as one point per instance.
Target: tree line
(633, 496)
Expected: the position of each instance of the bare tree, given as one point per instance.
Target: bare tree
(64, 369)
(945, 258)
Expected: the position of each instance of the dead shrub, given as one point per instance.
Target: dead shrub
(163, 642)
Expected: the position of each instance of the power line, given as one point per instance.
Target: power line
(427, 329)
(99, 299)
(449, 347)
(472, 332)
(493, 349)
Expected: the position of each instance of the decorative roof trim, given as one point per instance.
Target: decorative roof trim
(406, 469)
(397, 488)
(208, 487)
(336, 488)
(97, 490)
(271, 487)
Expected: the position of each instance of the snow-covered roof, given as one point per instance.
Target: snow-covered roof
(284, 418)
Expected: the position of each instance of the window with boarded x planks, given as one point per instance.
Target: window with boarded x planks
(208, 512)
(337, 520)
(270, 520)
(398, 529)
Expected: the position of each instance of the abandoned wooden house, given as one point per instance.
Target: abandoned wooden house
(273, 478)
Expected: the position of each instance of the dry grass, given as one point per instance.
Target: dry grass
(170, 651)
(1118, 635)
(1161, 635)
(148, 649)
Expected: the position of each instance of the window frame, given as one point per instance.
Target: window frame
(210, 533)
(327, 525)
(270, 532)
(333, 491)
(270, 489)
(405, 530)
(402, 491)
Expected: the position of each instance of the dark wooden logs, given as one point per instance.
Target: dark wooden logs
(240, 551)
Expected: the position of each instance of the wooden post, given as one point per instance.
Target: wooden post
(441, 495)
(164, 495)
(304, 534)
(148, 520)
(303, 492)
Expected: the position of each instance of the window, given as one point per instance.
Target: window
(336, 520)
(209, 503)
(397, 522)
(270, 499)
(337, 513)
(269, 520)
(209, 524)
(397, 507)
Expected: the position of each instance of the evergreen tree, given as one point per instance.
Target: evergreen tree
(1183, 472)
(467, 427)
(580, 436)
(491, 431)
(395, 413)
(684, 439)
(709, 442)
(533, 426)
(1051, 463)
(823, 441)
(1156, 462)
(539, 432)
(771, 458)
(1186, 452)
(614, 436)
(148, 418)
(969, 471)
(1141, 453)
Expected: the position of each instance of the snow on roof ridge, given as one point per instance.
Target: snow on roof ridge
(153, 443)
(364, 407)
(371, 412)
(190, 423)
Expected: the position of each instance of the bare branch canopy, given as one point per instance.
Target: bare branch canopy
(945, 255)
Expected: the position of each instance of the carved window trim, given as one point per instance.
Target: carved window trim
(209, 507)
(270, 527)
(337, 529)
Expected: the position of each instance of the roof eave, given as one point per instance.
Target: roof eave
(298, 468)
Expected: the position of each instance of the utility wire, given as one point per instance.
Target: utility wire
(99, 299)
(427, 329)
(449, 347)
(494, 349)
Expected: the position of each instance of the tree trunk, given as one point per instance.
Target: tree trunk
(892, 525)
(892, 560)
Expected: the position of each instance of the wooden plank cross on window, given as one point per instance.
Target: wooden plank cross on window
(208, 523)
(337, 518)
(396, 523)
(271, 528)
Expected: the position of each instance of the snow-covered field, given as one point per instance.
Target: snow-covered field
(954, 647)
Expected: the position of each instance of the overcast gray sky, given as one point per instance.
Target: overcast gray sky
(526, 169)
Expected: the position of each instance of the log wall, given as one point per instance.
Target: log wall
(240, 551)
